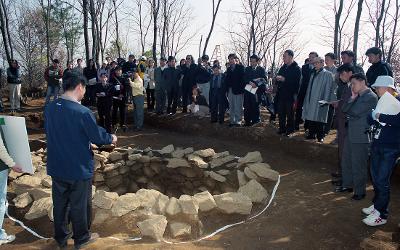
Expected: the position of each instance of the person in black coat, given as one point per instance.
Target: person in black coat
(252, 101)
(235, 83)
(218, 95)
(189, 71)
(288, 80)
(119, 97)
(172, 76)
(306, 72)
(104, 93)
(90, 72)
(378, 67)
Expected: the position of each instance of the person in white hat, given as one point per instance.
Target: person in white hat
(384, 152)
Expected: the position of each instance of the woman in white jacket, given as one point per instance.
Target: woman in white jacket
(6, 162)
(149, 85)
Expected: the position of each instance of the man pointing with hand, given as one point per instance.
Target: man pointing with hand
(70, 130)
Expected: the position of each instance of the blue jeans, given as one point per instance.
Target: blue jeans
(138, 114)
(235, 107)
(3, 197)
(52, 91)
(383, 160)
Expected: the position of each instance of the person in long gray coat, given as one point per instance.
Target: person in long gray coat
(320, 88)
(357, 141)
(161, 87)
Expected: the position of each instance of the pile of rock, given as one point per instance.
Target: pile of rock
(165, 190)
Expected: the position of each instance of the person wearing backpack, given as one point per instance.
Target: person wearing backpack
(378, 67)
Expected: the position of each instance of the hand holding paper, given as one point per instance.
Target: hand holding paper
(388, 105)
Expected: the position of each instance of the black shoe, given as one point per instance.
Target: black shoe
(93, 238)
(358, 197)
(320, 140)
(341, 189)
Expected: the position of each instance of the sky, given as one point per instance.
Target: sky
(309, 14)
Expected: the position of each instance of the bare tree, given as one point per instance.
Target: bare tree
(393, 42)
(215, 6)
(85, 10)
(5, 31)
(357, 28)
(338, 14)
(142, 20)
(155, 9)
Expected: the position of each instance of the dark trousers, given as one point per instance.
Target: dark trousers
(150, 99)
(90, 95)
(186, 97)
(72, 200)
(383, 160)
(218, 107)
(251, 109)
(160, 100)
(118, 106)
(316, 129)
(299, 107)
(104, 112)
(286, 116)
(328, 125)
(173, 95)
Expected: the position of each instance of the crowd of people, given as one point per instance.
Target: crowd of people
(320, 95)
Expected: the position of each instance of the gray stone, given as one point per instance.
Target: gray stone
(205, 200)
(144, 159)
(115, 181)
(188, 151)
(176, 163)
(205, 153)
(179, 229)
(179, 153)
(22, 200)
(251, 157)
(233, 203)
(220, 155)
(104, 200)
(25, 182)
(47, 182)
(241, 178)
(223, 172)
(101, 215)
(125, 204)
(216, 176)
(173, 207)
(134, 157)
(115, 156)
(264, 172)
(39, 208)
(217, 162)
(154, 227)
(39, 193)
(188, 204)
(255, 191)
(197, 161)
(161, 204)
(98, 177)
(147, 197)
(167, 149)
(250, 174)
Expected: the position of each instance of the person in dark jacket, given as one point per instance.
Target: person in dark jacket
(356, 146)
(53, 76)
(90, 72)
(204, 73)
(385, 151)
(130, 66)
(378, 67)
(70, 68)
(288, 80)
(161, 86)
(347, 57)
(104, 93)
(172, 76)
(218, 95)
(119, 98)
(306, 72)
(188, 81)
(70, 130)
(14, 83)
(235, 83)
(252, 102)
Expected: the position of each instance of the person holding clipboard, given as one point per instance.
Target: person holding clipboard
(6, 162)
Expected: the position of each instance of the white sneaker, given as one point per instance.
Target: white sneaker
(8, 239)
(368, 210)
(374, 220)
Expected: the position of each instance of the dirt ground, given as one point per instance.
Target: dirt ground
(305, 213)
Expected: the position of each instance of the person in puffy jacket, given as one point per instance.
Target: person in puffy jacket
(14, 83)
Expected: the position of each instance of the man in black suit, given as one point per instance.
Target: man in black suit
(252, 101)
(306, 71)
(218, 96)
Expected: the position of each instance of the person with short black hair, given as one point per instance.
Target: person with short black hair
(161, 86)
(204, 73)
(130, 66)
(378, 67)
(120, 86)
(306, 71)
(330, 65)
(288, 80)
(218, 96)
(356, 147)
(104, 93)
(256, 76)
(188, 81)
(53, 76)
(90, 72)
(70, 161)
(14, 84)
(138, 92)
(172, 76)
(79, 66)
(347, 57)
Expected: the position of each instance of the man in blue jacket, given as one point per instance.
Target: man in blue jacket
(384, 152)
(70, 130)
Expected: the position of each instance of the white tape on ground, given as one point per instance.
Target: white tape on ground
(23, 225)
(166, 241)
